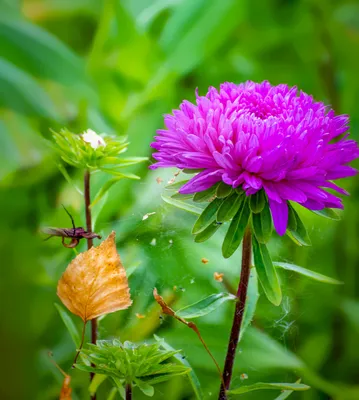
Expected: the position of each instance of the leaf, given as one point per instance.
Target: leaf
(208, 232)
(236, 230)
(66, 391)
(306, 272)
(145, 388)
(205, 306)
(195, 383)
(20, 92)
(68, 178)
(123, 162)
(223, 190)
(119, 174)
(286, 393)
(95, 282)
(104, 189)
(207, 216)
(39, 52)
(205, 195)
(262, 225)
(257, 201)
(182, 205)
(67, 320)
(327, 213)
(229, 207)
(300, 233)
(251, 301)
(96, 381)
(266, 273)
(176, 185)
(272, 386)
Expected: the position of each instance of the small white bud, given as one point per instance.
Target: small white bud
(93, 139)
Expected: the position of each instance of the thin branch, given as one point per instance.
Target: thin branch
(81, 344)
(238, 314)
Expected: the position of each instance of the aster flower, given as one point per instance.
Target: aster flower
(259, 138)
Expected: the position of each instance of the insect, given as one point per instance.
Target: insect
(75, 234)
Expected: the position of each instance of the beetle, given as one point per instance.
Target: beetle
(75, 234)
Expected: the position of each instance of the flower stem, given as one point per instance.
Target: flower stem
(128, 391)
(89, 245)
(238, 314)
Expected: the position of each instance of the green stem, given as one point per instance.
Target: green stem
(238, 314)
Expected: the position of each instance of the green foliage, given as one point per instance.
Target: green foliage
(272, 386)
(296, 229)
(139, 365)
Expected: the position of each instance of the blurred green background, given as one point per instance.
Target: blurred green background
(117, 66)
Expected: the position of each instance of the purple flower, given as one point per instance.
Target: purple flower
(260, 136)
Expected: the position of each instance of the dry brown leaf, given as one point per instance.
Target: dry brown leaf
(95, 282)
(66, 390)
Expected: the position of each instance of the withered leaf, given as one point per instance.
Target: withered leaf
(95, 282)
(66, 390)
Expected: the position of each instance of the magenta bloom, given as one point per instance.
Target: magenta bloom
(260, 136)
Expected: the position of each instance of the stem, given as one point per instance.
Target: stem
(128, 391)
(81, 344)
(238, 314)
(89, 245)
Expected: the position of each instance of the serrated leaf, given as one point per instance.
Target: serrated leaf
(269, 386)
(195, 383)
(223, 190)
(183, 205)
(207, 216)
(236, 230)
(67, 320)
(229, 207)
(145, 388)
(251, 301)
(104, 189)
(327, 213)
(306, 272)
(208, 232)
(205, 195)
(257, 201)
(205, 306)
(300, 233)
(266, 272)
(262, 224)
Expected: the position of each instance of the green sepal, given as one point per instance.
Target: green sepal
(257, 201)
(207, 216)
(300, 233)
(229, 207)
(223, 190)
(262, 224)
(266, 272)
(236, 230)
(206, 195)
(208, 232)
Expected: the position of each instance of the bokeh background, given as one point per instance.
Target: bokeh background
(117, 66)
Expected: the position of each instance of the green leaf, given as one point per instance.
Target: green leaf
(208, 232)
(119, 174)
(306, 272)
(223, 190)
(67, 320)
(292, 220)
(262, 224)
(145, 388)
(96, 381)
(286, 393)
(207, 216)
(68, 178)
(182, 205)
(251, 302)
(205, 306)
(40, 52)
(327, 213)
(181, 196)
(266, 386)
(257, 201)
(176, 185)
(236, 230)
(112, 394)
(266, 272)
(105, 188)
(20, 92)
(229, 207)
(123, 162)
(300, 233)
(205, 195)
(195, 383)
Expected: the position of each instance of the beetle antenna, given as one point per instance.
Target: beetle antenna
(72, 220)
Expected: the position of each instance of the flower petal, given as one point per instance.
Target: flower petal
(279, 213)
